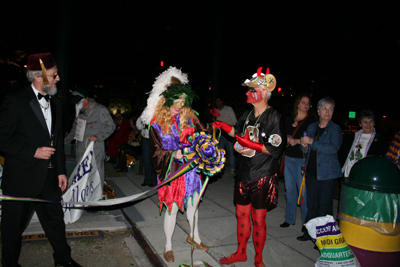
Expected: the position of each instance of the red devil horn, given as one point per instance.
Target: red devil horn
(259, 71)
(267, 72)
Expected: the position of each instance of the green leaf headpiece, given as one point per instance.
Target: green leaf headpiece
(178, 91)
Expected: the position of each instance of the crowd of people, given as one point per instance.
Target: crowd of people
(319, 161)
(258, 145)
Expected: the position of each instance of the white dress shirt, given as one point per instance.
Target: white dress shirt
(45, 107)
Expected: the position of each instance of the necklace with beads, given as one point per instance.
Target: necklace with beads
(247, 119)
(356, 155)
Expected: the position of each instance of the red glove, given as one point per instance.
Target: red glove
(222, 125)
(246, 142)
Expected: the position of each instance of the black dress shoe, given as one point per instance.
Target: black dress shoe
(285, 225)
(144, 184)
(123, 169)
(4, 265)
(304, 237)
(71, 263)
(93, 209)
(117, 167)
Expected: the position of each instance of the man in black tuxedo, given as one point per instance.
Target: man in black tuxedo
(28, 119)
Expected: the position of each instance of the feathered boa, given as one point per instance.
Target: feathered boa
(159, 86)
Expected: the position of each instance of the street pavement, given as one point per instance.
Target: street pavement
(217, 227)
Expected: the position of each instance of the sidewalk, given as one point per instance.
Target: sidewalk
(217, 226)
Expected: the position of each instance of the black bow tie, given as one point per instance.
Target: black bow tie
(47, 97)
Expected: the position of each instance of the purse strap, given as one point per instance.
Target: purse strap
(298, 126)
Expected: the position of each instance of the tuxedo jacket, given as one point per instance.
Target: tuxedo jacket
(23, 129)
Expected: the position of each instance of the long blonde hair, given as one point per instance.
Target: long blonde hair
(164, 117)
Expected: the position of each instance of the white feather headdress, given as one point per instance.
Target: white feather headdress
(159, 86)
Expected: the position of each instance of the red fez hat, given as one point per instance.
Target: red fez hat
(34, 61)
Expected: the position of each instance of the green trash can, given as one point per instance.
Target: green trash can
(369, 211)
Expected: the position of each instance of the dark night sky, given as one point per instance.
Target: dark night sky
(355, 47)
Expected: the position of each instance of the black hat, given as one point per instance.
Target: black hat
(79, 94)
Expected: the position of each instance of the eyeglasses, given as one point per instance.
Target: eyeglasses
(53, 76)
(327, 109)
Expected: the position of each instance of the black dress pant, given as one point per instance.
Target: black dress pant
(15, 216)
(134, 151)
(319, 197)
(150, 176)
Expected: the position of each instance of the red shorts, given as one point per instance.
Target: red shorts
(262, 194)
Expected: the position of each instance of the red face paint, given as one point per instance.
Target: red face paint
(254, 95)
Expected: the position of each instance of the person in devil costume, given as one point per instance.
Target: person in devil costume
(260, 142)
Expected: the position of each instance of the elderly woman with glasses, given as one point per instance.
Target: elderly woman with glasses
(365, 142)
(320, 145)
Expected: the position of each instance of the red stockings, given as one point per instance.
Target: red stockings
(244, 231)
(243, 234)
(259, 234)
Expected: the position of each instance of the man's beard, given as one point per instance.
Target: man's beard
(48, 90)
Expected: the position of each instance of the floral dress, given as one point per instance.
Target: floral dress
(162, 148)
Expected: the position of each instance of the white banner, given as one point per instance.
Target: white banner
(84, 185)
